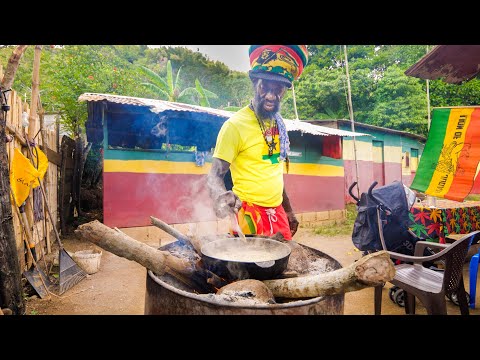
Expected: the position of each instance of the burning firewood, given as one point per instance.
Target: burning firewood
(371, 270)
(176, 234)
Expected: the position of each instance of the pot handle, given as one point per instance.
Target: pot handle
(265, 264)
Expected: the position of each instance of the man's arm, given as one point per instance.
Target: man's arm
(292, 220)
(224, 202)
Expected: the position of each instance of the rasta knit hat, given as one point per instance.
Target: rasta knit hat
(282, 63)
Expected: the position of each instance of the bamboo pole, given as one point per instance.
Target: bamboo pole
(350, 111)
(33, 123)
(33, 119)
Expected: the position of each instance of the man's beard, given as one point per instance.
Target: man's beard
(260, 110)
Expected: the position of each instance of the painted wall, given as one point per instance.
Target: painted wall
(140, 184)
(383, 157)
(168, 185)
(314, 182)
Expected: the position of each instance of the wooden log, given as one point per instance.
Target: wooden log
(122, 245)
(177, 234)
(371, 270)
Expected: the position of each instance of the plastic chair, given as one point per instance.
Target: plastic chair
(473, 269)
(431, 286)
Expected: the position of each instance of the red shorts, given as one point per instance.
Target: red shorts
(254, 219)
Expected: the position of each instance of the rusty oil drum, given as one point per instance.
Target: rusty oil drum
(161, 298)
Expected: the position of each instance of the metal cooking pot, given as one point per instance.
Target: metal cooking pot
(252, 258)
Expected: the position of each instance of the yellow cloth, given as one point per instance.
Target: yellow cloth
(257, 178)
(41, 163)
(22, 175)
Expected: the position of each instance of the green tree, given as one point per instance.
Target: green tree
(400, 103)
(76, 69)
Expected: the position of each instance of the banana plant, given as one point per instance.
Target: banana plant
(204, 94)
(169, 89)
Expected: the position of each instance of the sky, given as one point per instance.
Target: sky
(234, 56)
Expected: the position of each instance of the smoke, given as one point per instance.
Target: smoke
(160, 129)
(198, 204)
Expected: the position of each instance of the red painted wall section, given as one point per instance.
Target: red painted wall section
(393, 171)
(314, 193)
(131, 198)
(365, 177)
(378, 176)
(368, 173)
(407, 180)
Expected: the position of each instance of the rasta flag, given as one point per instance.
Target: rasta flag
(448, 165)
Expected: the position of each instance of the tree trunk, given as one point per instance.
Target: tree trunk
(371, 270)
(122, 245)
(10, 274)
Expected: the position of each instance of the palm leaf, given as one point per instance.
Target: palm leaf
(203, 98)
(210, 94)
(177, 78)
(156, 90)
(171, 89)
(154, 77)
(190, 91)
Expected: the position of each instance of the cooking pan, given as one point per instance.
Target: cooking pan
(252, 258)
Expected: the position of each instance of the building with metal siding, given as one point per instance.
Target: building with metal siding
(157, 155)
(386, 156)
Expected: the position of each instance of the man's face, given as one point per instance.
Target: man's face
(267, 97)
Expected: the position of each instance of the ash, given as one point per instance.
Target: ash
(183, 251)
(319, 266)
(246, 298)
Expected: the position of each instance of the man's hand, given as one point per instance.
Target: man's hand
(292, 222)
(226, 203)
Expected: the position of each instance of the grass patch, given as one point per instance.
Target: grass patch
(340, 228)
(473, 197)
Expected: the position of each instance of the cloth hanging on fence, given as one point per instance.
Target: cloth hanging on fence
(22, 176)
(41, 163)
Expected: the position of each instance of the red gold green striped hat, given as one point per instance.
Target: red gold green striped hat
(282, 63)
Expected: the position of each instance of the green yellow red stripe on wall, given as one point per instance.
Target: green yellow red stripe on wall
(155, 167)
(451, 155)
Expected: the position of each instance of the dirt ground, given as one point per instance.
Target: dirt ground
(118, 288)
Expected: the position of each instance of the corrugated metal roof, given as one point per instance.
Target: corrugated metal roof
(305, 127)
(452, 63)
(158, 106)
(359, 125)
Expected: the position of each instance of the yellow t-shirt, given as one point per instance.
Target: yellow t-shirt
(257, 178)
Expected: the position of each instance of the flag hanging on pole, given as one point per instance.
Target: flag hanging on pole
(22, 175)
(451, 155)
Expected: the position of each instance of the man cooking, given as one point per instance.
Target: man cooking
(254, 145)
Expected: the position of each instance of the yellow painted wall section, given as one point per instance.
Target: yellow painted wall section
(393, 154)
(315, 170)
(155, 167)
(170, 167)
(365, 151)
(377, 153)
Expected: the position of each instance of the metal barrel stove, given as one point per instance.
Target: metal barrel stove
(163, 298)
